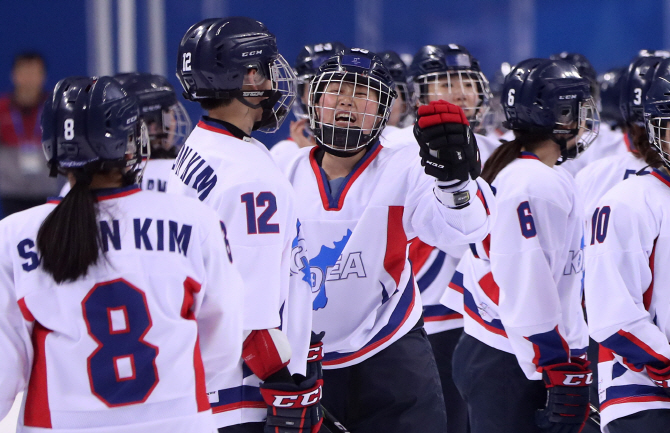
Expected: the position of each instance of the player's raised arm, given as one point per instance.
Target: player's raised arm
(460, 207)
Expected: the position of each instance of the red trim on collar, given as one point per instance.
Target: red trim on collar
(528, 155)
(660, 177)
(119, 194)
(350, 181)
(203, 125)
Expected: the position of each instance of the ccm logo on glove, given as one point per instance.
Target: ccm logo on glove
(298, 400)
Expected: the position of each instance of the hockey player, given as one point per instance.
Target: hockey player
(232, 68)
(308, 62)
(626, 287)
(361, 204)
(451, 73)
(520, 289)
(167, 122)
(399, 129)
(597, 178)
(116, 304)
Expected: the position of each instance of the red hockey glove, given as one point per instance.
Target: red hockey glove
(567, 407)
(448, 147)
(660, 377)
(315, 355)
(293, 407)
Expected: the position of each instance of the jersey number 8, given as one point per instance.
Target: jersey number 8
(122, 369)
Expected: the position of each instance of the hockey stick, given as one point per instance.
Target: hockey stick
(594, 415)
(331, 423)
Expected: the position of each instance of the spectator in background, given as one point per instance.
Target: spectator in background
(23, 173)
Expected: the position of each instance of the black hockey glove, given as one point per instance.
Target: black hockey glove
(661, 377)
(567, 406)
(448, 147)
(293, 407)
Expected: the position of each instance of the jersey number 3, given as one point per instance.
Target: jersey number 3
(122, 369)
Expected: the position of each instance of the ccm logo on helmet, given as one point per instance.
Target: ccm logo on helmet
(578, 379)
(252, 53)
(131, 120)
(567, 97)
(297, 401)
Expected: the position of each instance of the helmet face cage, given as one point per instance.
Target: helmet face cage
(283, 81)
(299, 108)
(658, 130)
(176, 126)
(348, 110)
(407, 95)
(584, 125)
(467, 88)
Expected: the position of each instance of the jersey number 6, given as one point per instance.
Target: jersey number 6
(122, 369)
(526, 220)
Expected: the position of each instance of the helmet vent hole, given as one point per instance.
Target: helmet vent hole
(87, 88)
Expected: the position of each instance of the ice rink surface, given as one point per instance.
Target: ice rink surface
(8, 425)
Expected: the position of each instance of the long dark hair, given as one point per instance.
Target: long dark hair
(642, 148)
(508, 151)
(69, 239)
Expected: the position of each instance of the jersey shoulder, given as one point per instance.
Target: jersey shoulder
(533, 179)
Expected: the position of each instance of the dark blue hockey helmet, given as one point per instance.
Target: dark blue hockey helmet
(549, 96)
(609, 84)
(635, 83)
(92, 120)
(403, 84)
(584, 67)
(215, 56)
(307, 66)
(657, 111)
(168, 122)
(350, 101)
(451, 73)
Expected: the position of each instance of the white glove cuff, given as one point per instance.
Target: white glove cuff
(455, 197)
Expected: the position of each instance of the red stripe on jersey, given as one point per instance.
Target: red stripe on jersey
(37, 412)
(486, 243)
(128, 192)
(396, 244)
(456, 287)
(477, 318)
(203, 125)
(419, 253)
(481, 197)
(640, 399)
(358, 172)
(660, 177)
(319, 178)
(371, 347)
(190, 287)
(240, 405)
(626, 140)
(528, 155)
(25, 311)
(490, 288)
(646, 297)
(642, 345)
(451, 316)
(605, 354)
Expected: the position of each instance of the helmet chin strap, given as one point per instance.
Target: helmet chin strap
(562, 142)
(268, 116)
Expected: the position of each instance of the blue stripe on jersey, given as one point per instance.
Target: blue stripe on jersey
(427, 279)
(618, 370)
(473, 310)
(437, 310)
(550, 348)
(634, 355)
(395, 321)
(457, 279)
(575, 353)
(238, 394)
(334, 197)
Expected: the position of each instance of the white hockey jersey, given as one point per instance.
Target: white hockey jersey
(433, 268)
(594, 180)
(241, 182)
(154, 178)
(628, 293)
(366, 296)
(520, 289)
(284, 151)
(609, 142)
(128, 347)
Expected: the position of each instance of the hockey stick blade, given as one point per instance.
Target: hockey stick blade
(331, 424)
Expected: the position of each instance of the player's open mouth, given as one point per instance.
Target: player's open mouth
(345, 119)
